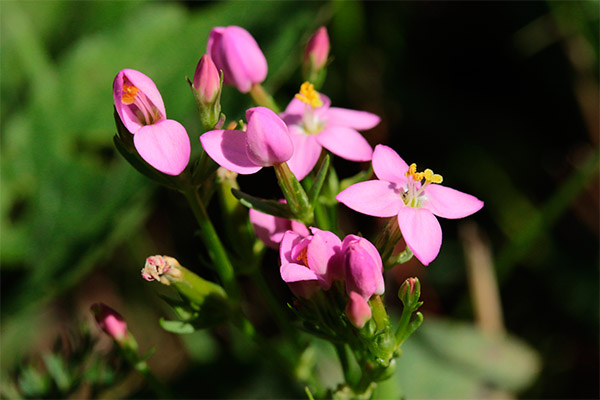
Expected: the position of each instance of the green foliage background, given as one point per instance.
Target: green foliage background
(501, 98)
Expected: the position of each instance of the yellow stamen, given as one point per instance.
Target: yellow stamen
(431, 177)
(129, 93)
(411, 170)
(309, 95)
(428, 174)
(303, 257)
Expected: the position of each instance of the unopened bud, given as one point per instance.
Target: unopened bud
(410, 292)
(110, 321)
(161, 268)
(317, 49)
(207, 82)
(358, 310)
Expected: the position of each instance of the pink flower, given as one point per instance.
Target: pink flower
(237, 54)
(314, 125)
(310, 263)
(206, 80)
(110, 321)
(161, 142)
(399, 191)
(270, 229)
(358, 310)
(265, 143)
(363, 267)
(317, 49)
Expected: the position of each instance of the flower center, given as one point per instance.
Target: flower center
(143, 108)
(412, 195)
(303, 257)
(309, 96)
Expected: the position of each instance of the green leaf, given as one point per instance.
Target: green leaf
(270, 207)
(317, 185)
(179, 327)
(57, 369)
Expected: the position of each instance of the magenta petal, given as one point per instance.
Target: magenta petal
(246, 64)
(146, 86)
(389, 166)
(422, 232)
(358, 310)
(164, 145)
(288, 244)
(295, 273)
(228, 149)
(267, 139)
(446, 202)
(306, 153)
(359, 120)
(346, 143)
(322, 248)
(376, 198)
(267, 228)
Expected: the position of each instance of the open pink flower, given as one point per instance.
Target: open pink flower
(270, 229)
(237, 54)
(161, 142)
(265, 143)
(310, 263)
(400, 192)
(313, 124)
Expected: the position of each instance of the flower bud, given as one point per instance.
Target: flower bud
(110, 321)
(237, 54)
(268, 141)
(317, 49)
(358, 310)
(409, 293)
(207, 81)
(363, 267)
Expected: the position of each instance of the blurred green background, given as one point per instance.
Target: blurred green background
(500, 98)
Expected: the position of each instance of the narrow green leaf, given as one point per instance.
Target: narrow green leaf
(317, 185)
(270, 207)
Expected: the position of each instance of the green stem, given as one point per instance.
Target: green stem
(294, 193)
(157, 387)
(262, 98)
(216, 250)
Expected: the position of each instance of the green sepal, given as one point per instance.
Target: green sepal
(360, 177)
(270, 207)
(317, 185)
(178, 327)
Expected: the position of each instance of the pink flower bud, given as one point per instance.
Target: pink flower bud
(317, 49)
(110, 321)
(206, 80)
(267, 139)
(409, 293)
(237, 54)
(358, 310)
(363, 267)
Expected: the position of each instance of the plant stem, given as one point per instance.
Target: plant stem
(262, 98)
(216, 250)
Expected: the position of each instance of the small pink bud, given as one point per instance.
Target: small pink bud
(110, 321)
(358, 310)
(363, 267)
(409, 293)
(237, 54)
(267, 139)
(206, 80)
(317, 49)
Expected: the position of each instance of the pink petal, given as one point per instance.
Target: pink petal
(359, 120)
(376, 198)
(213, 48)
(346, 143)
(270, 229)
(289, 242)
(306, 153)
(322, 251)
(295, 272)
(267, 139)
(421, 231)
(228, 149)
(446, 202)
(298, 107)
(358, 310)
(164, 145)
(389, 166)
(246, 64)
(363, 267)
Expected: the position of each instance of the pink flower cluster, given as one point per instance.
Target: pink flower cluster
(314, 262)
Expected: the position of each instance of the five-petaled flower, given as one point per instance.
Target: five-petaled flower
(163, 143)
(313, 124)
(416, 198)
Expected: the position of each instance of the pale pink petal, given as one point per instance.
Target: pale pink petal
(388, 165)
(376, 198)
(246, 64)
(306, 153)
(358, 310)
(228, 149)
(164, 145)
(288, 243)
(322, 251)
(267, 139)
(421, 231)
(446, 202)
(300, 228)
(213, 48)
(359, 120)
(346, 143)
(270, 229)
(371, 268)
(295, 272)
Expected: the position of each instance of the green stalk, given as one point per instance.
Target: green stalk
(262, 98)
(216, 250)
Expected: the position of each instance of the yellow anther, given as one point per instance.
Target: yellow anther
(428, 174)
(411, 170)
(309, 95)
(431, 177)
(129, 93)
(303, 256)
